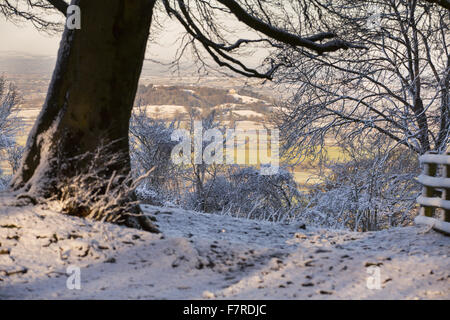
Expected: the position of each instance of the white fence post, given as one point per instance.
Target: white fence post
(431, 184)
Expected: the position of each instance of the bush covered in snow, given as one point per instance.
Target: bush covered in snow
(4, 181)
(245, 192)
(10, 152)
(371, 191)
(151, 147)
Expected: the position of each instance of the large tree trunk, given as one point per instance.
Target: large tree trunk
(91, 94)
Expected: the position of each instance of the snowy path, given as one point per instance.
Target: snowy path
(206, 256)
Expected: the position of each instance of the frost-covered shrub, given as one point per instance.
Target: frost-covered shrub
(217, 195)
(13, 155)
(151, 147)
(146, 192)
(367, 193)
(4, 181)
(8, 123)
(10, 152)
(201, 177)
(245, 192)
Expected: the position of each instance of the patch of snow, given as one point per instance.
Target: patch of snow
(163, 109)
(248, 113)
(245, 99)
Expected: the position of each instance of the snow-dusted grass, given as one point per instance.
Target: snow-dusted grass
(248, 113)
(208, 256)
(245, 99)
(164, 110)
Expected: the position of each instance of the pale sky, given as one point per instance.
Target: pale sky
(25, 38)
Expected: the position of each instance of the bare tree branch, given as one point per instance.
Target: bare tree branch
(60, 5)
(286, 37)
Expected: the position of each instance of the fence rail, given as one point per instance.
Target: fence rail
(433, 185)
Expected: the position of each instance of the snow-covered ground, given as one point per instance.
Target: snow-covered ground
(204, 256)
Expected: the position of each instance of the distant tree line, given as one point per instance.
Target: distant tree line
(201, 97)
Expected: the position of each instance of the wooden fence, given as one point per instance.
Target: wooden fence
(435, 179)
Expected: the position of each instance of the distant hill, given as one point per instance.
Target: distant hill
(12, 62)
(202, 97)
(32, 73)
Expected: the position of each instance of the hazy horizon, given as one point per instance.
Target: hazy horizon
(24, 38)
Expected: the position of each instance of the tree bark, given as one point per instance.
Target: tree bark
(91, 94)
